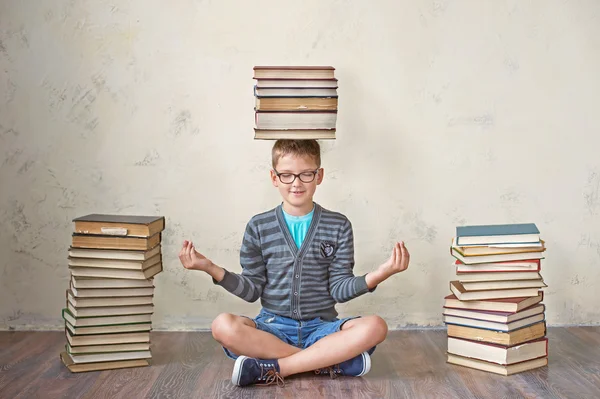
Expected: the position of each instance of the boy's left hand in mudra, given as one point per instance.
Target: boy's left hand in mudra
(398, 261)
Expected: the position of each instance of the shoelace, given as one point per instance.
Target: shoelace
(271, 376)
(332, 370)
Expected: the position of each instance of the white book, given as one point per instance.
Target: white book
(497, 353)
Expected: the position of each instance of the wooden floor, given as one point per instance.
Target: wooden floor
(409, 364)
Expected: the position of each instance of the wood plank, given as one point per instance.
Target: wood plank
(136, 382)
(179, 377)
(410, 363)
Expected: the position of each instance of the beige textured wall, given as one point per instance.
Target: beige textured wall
(450, 113)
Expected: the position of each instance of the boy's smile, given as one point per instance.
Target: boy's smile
(298, 195)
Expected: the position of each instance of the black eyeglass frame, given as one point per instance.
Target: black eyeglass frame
(297, 176)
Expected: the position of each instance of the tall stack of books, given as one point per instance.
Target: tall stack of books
(296, 102)
(108, 316)
(495, 317)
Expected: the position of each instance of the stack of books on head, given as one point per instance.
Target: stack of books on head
(296, 102)
(108, 316)
(495, 316)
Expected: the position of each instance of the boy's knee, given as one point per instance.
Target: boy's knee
(378, 328)
(223, 328)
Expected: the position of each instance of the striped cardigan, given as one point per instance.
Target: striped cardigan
(302, 283)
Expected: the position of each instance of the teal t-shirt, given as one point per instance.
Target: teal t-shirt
(298, 225)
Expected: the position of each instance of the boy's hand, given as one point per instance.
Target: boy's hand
(191, 259)
(399, 260)
(397, 263)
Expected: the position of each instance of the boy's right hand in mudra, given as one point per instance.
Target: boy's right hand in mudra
(192, 259)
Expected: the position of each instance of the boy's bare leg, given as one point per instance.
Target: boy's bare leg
(356, 336)
(240, 335)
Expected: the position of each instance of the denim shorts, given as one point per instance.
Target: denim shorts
(300, 334)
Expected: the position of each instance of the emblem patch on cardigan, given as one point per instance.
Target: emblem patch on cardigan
(327, 249)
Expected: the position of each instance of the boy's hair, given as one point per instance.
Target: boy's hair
(309, 148)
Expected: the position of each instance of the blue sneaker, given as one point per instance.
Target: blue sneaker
(355, 367)
(248, 371)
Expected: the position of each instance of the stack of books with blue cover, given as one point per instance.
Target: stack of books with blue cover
(495, 317)
(295, 102)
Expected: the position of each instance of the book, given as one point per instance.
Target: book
(297, 134)
(497, 317)
(511, 266)
(497, 353)
(509, 304)
(100, 272)
(106, 339)
(294, 72)
(502, 285)
(126, 225)
(110, 292)
(267, 92)
(131, 347)
(296, 103)
(108, 301)
(103, 253)
(109, 357)
(497, 368)
(109, 310)
(510, 338)
(498, 276)
(462, 294)
(114, 242)
(497, 234)
(472, 260)
(296, 120)
(90, 282)
(123, 328)
(99, 321)
(475, 250)
(493, 326)
(78, 368)
(297, 83)
(116, 263)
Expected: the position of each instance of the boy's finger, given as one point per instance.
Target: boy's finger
(184, 251)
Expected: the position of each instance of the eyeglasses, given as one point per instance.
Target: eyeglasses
(289, 178)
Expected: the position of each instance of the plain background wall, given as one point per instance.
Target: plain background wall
(450, 113)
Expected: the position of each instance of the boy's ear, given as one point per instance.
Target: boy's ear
(320, 176)
(274, 178)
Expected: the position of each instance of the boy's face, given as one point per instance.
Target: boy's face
(297, 193)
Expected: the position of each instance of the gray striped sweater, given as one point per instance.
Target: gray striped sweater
(298, 283)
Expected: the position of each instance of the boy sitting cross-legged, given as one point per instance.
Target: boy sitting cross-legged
(298, 258)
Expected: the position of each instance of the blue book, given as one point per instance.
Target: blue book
(497, 234)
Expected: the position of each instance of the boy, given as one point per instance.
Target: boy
(298, 258)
